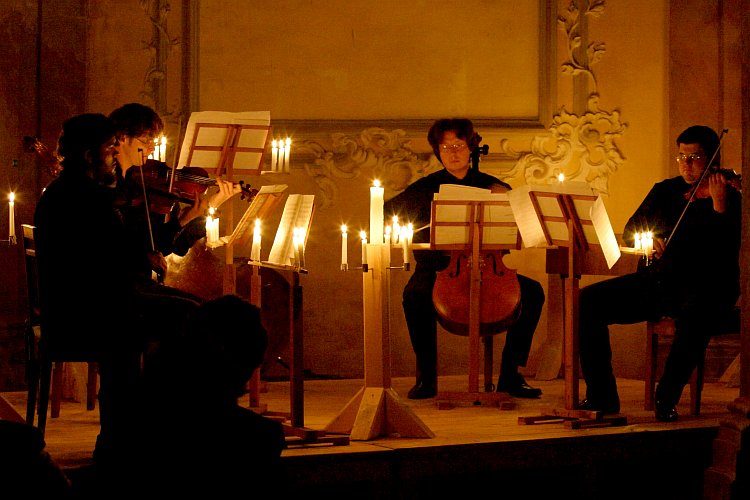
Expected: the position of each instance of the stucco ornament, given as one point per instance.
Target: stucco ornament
(581, 147)
(388, 155)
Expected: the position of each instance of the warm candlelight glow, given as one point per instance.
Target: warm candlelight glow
(396, 230)
(376, 213)
(287, 148)
(255, 249)
(560, 177)
(363, 236)
(344, 244)
(11, 218)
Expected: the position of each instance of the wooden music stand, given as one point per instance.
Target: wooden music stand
(573, 220)
(7, 412)
(224, 143)
(377, 410)
(298, 212)
(476, 226)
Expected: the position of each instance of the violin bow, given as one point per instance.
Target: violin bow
(695, 188)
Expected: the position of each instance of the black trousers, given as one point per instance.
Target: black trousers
(421, 320)
(647, 296)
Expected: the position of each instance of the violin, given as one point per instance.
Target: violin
(167, 186)
(734, 180)
(499, 292)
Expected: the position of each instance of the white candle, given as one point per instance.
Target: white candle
(376, 213)
(287, 147)
(648, 243)
(163, 148)
(405, 243)
(255, 251)
(212, 226)
(363, 235)
(12, 217)
(344, 242)
(637, 244)
(396, 230)
(274, 155)
(388, 235)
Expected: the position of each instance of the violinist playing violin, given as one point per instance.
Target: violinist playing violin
(171, 228)
(453, 141)
(693, 276)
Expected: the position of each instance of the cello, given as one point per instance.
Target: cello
(477, 278)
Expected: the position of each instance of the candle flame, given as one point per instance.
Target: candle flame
(376, 183)
(363, 235)
(343, 228)
(12, 197)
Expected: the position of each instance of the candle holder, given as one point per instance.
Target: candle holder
(11, 240)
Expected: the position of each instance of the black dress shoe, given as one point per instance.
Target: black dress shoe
(607, 408)
(666, 413)
(423, 389)
(517, 387)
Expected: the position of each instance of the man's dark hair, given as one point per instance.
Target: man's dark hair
(135, 119)
(81, 134)
(706, 137)
(462, 127)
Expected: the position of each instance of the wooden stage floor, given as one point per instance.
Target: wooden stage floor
(474, 446)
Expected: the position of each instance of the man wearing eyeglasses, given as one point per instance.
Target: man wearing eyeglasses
(693, 277)
(453, 141)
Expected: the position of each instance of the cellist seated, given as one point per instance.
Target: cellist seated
(453, 141)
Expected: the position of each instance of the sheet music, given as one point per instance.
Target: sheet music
(604, 232)
(216, 137)
(491, 234)
(298, 212)
(261, 205)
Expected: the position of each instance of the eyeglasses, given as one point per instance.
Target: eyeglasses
(452, 148)
(682, 157)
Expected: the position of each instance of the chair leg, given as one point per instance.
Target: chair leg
(696, 388)
(45, 381)
(489, 386)
(57, 376)
(32, 379)
(652, 356)
(93, 371)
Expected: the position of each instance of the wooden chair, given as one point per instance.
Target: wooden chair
(42, 380)
(729, 325)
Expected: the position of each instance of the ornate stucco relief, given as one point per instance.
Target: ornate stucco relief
(582, 147)
(387, 154)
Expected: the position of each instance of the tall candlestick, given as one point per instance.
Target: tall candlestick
(344, 243)
(376, 213)
(363, 235)
(287, 148)
(12, 218)
(255, 250)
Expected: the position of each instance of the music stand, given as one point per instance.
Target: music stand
(223, 143)
(473, 220)
(571, 220)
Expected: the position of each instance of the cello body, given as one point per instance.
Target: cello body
(492, 285)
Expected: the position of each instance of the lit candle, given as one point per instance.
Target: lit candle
(212, 226)
(12, 218)
(255, 251)
(560, 177)
(344, 257)
(274, 155)
(637, 244)
(301, 245)
(409, 236)
(163, 148)
(396, 230)
(388, 235)
(376, 213)
(363, 235)
(405, 243)
(287, 147)
(648, 243)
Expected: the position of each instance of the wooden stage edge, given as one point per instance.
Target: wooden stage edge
(473, 447)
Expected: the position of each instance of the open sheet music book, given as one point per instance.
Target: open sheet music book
(298, 212)
(263, 203)
(215, 138)
(451, 224)
(542, 222)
